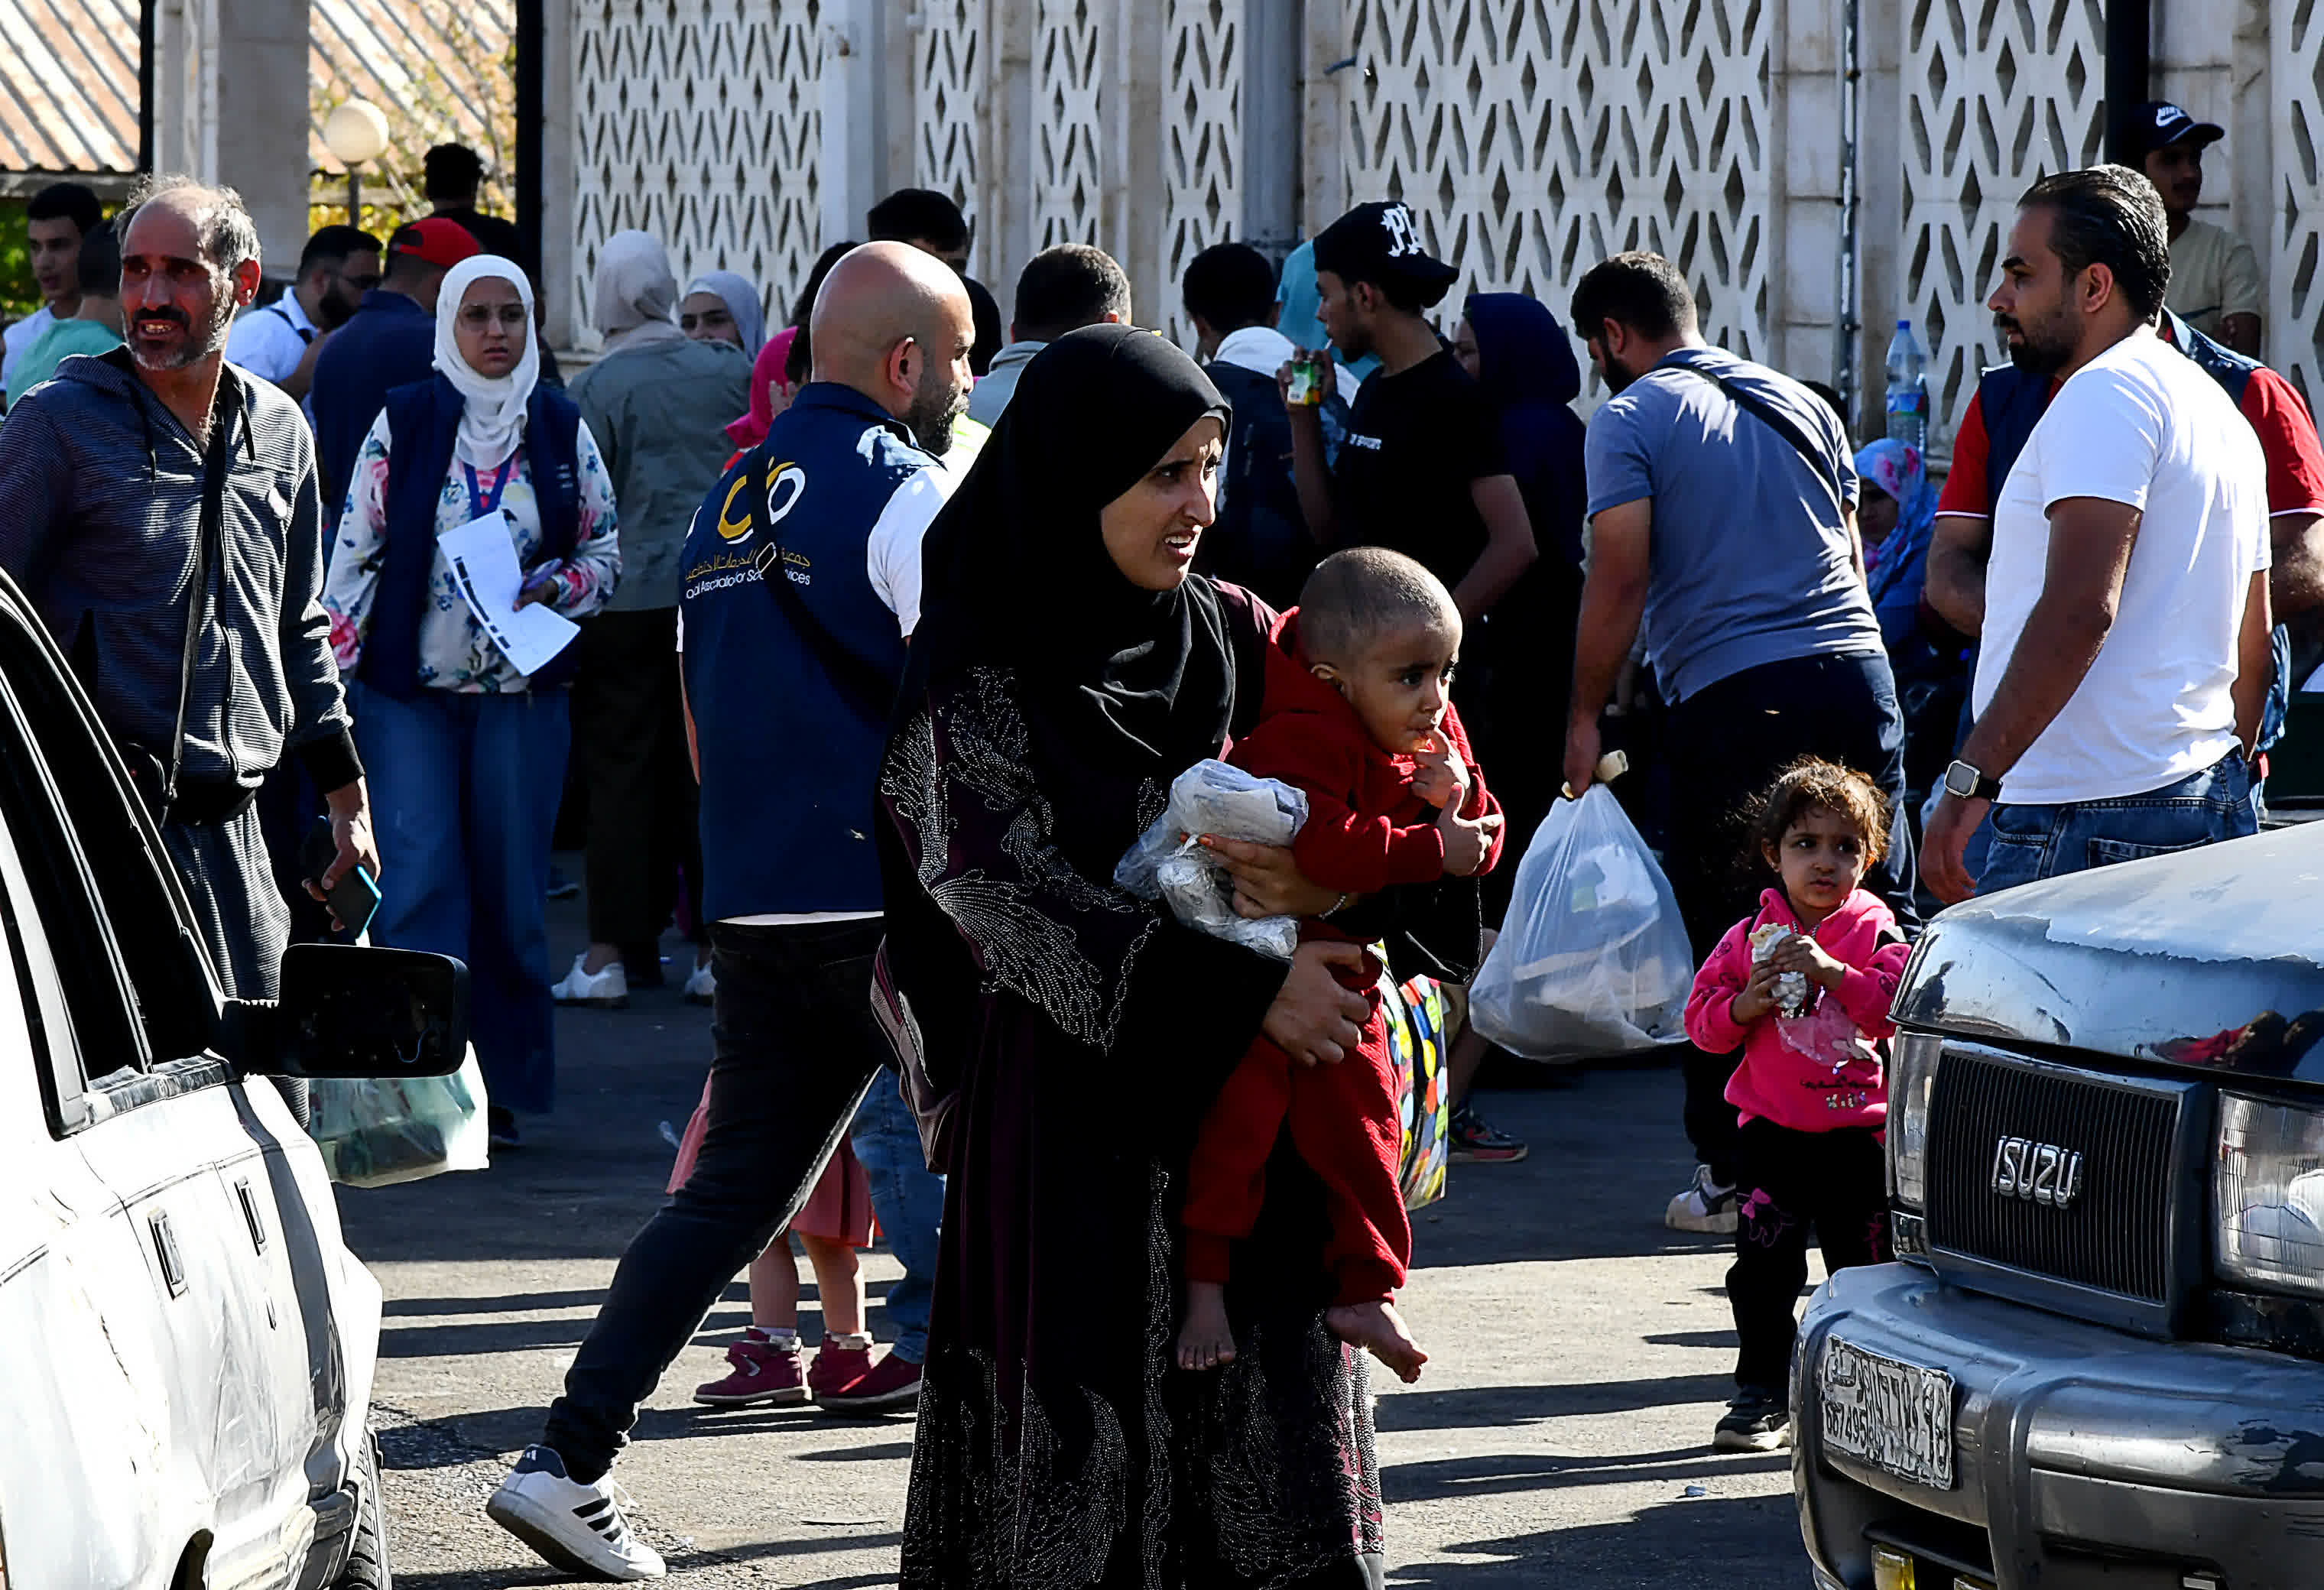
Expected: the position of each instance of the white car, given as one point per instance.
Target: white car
(186, 1344)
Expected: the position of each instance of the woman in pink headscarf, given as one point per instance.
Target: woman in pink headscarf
(783, 364)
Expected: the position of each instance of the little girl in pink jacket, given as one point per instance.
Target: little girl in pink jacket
(1803, 988)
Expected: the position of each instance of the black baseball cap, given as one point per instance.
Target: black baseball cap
(2161, 124)
(1380, 242)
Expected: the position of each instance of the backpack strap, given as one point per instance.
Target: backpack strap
(863, 685)
(1818, 462)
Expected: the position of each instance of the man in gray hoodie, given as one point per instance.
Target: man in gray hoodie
(154, 493)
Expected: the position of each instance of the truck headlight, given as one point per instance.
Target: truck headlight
(1909, 1082)
(2267, 1194)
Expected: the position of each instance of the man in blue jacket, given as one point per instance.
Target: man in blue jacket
(787, 690)
(390, 341)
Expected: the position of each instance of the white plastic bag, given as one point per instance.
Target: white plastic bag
(1592, 957)
(1167, 864)
(378, 1131)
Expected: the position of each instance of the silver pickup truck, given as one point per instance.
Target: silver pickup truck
(2099, 1360)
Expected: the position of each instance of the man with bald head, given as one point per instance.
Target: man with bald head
(800, 583)
(151, 492)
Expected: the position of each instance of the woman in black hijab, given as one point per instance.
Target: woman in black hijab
(1068, 667)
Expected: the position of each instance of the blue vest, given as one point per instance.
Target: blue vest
(790, 758)
(423, 419)
(2010, 401)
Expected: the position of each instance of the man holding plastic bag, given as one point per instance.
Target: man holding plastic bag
(1592, 956)
(1722, 499)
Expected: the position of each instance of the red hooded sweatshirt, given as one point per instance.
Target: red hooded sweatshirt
(1365, 828)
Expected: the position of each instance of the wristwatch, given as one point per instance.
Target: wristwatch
(1964, 782)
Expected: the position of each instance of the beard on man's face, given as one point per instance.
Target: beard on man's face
(1613, 372)
(2045, 341)
(186, 347)
(937, 405)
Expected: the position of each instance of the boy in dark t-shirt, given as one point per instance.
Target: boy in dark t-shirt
(1422, 472)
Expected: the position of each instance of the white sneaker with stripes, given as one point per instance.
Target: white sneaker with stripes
(575, 1527)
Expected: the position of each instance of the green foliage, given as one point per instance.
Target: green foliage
(18, 295)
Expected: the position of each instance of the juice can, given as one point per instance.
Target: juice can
(1306, 381)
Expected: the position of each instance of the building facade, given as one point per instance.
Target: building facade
(1820, 168)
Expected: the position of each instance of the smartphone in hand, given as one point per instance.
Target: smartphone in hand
(354, 899)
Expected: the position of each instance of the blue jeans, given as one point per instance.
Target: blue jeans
(908, 1198)
(464, 793)
(2031, 842)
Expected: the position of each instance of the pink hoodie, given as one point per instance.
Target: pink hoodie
(1816, 1071)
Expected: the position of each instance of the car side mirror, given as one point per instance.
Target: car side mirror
(348, 1011)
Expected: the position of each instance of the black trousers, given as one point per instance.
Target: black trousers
(1515, 680)
(629, 732)
(1787, 1180)
(1725, 744)
(795, 1045)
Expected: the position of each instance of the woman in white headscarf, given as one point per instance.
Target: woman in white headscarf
(464, 751)
(657, 402)
(720, 306)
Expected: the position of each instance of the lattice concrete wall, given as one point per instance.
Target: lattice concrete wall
(1534, 141)
(2288, 231)
(698, 121)
(1995, 96)
(1071, 81)
(953, 65)
(1202, 154)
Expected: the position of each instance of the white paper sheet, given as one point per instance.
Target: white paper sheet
(483, 566)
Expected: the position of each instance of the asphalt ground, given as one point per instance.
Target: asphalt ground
(1580, 1355)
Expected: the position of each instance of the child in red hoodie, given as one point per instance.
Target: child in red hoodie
(1357, 715)
(1803, 989)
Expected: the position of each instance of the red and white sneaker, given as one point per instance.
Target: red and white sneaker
(764, 1375)
(893, 1383)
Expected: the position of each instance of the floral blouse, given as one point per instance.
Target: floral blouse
(455, 653)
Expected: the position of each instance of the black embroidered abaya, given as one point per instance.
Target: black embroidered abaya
(1048, 706)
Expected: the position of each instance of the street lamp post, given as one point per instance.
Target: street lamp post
(354, 134)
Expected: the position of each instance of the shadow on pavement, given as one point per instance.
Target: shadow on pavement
(1482, 1406)
(1703, 1543)
(1582, 1192)
(1497, 1474)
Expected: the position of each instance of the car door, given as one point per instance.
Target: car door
(90, 1491)
(164, 1126)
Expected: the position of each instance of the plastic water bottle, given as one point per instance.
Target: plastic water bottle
(1908, 389)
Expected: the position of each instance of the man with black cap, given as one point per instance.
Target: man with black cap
(2216, 286)
(1421, 472)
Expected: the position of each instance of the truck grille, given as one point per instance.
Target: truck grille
(2116, 1232)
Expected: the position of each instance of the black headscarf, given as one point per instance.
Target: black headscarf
(1122, 684)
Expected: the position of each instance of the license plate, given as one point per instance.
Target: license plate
(1895, 1416)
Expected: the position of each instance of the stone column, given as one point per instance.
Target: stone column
(1804, 198)
(1881, 289)
(1131, 160)
(1322, 166)
(851, 86)
(260, 70)
(565, 296)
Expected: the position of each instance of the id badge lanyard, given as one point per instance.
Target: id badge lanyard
(482, 499)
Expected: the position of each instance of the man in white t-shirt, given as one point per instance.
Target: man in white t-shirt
(2125, 654)
(282, 342)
